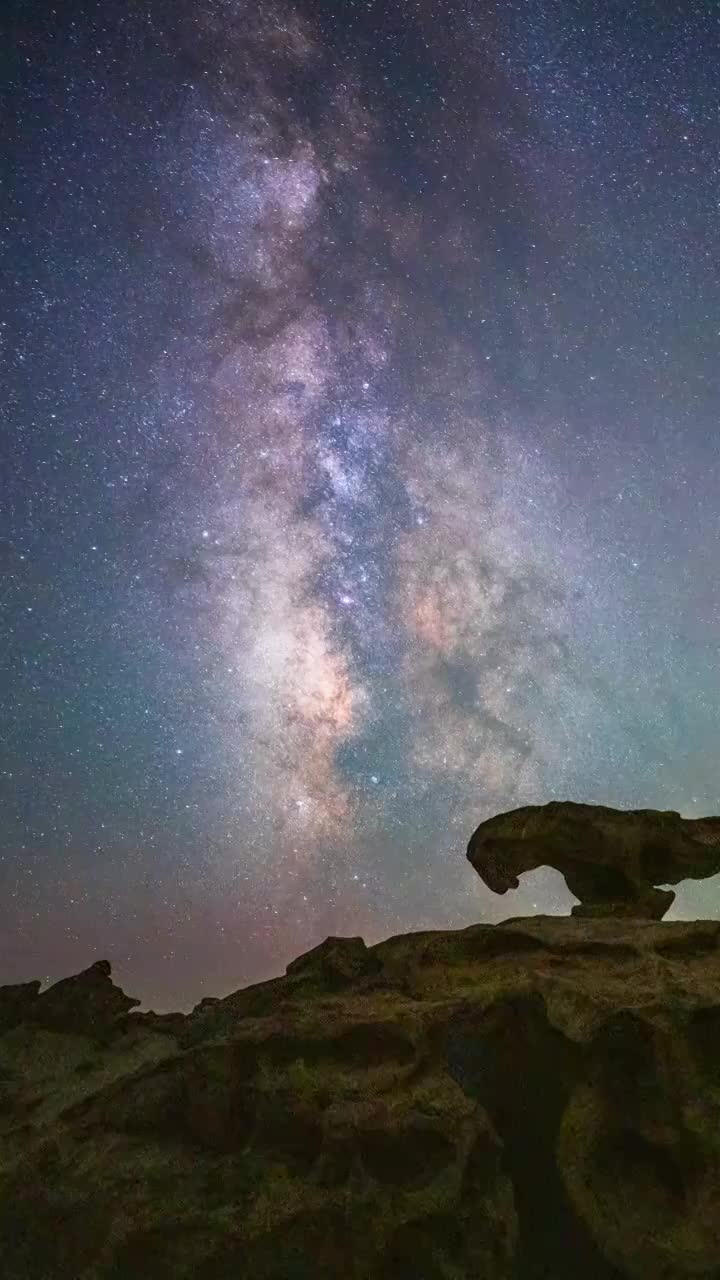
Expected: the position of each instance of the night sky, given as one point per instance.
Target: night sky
(360, 468)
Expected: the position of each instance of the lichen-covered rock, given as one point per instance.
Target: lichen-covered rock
(611, 859)
(539, 1098)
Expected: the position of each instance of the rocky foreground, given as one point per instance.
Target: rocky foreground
(539, 1098)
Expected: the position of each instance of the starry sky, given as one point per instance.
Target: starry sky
(360, 473)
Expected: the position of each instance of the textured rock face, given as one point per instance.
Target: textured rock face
(536, 1099)
(611, 858)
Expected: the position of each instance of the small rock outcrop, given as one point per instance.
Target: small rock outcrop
(87, 1004)
(337, 962)
(611, 859)
(534, 1100)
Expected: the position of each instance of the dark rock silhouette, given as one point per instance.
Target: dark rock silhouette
(611, 858)
(336, 961)
(87, 1004)
(16, 1002)
(535, 1100)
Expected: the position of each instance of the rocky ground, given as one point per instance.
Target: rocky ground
(539, 1098)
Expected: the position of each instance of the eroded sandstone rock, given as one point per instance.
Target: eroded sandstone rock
(611, 859)
(534, 1099)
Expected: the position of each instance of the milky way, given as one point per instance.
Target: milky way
(362, 465)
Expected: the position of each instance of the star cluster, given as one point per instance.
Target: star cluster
(360, 464)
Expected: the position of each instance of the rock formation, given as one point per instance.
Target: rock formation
(535, 1100)
(611, 858)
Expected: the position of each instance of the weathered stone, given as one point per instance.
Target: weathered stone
(87, 1004)
(638, 1149)
(538, 1099)
(611, 858)
(335, 962)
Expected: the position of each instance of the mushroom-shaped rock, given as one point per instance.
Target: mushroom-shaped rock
(87, 1004)
(611, 859)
